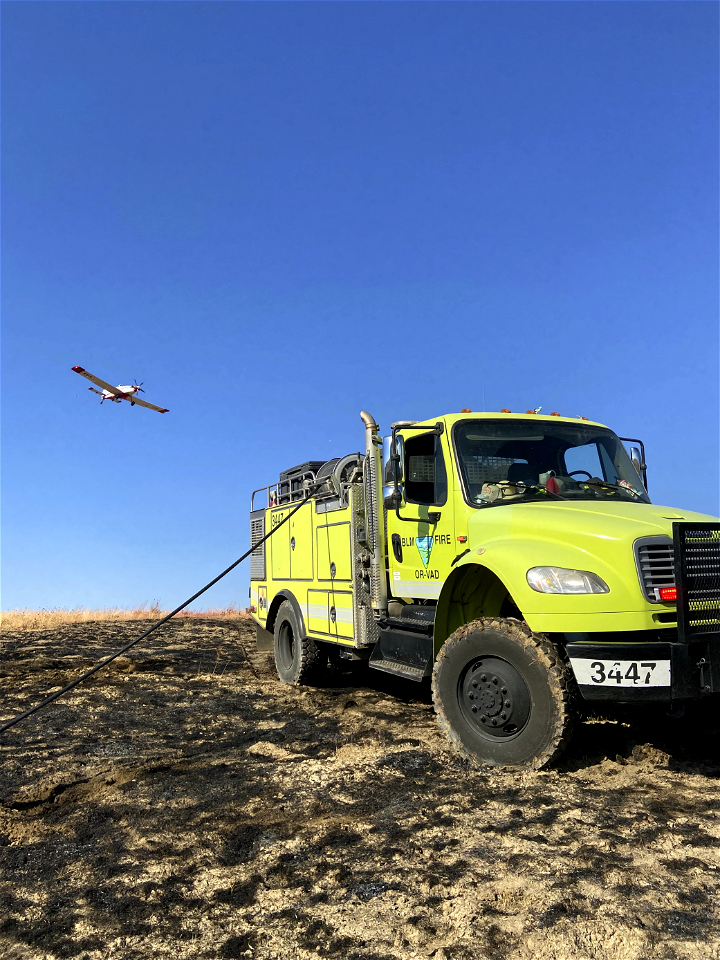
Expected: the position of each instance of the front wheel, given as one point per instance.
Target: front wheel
(502, 694)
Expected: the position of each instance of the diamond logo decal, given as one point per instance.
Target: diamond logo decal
(424, 545)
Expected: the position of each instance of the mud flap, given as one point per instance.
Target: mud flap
(265, 641)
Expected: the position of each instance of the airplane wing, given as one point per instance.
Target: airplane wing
(150, 406)
(98, 382)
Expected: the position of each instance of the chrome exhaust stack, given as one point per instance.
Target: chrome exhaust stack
(374, 519)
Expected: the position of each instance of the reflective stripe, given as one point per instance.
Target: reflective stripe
(344, 616)
(416, 588)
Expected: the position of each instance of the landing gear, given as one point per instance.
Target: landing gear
(503, 694)
(298, 661)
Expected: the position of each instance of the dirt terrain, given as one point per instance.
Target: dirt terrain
(183, 803)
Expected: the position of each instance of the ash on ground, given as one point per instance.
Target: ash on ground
(184, 803)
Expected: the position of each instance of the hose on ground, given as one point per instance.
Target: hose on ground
(103, 663)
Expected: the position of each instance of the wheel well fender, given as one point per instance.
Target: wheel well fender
(470, 592)
(277, 601)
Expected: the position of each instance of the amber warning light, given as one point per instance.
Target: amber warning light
(668, 593)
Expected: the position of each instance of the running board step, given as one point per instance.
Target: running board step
(406, 623)
(405, 653)
(399, 669)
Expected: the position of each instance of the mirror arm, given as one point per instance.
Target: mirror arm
(643, 465)
(433, 517)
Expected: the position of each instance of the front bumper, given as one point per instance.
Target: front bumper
(637, 672)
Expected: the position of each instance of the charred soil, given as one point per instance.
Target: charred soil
(184, 803)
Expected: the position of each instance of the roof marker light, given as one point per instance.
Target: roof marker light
(505, 410)
(466, 410)
(554, 414)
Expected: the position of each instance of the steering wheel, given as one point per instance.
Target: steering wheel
(589, 475)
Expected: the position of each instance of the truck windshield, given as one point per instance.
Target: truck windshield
(504, 461)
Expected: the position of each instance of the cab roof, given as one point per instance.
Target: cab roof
(453, 418)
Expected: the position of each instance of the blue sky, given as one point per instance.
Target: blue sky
(278, 214)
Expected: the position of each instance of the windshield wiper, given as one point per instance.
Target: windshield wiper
(537, 486)
(597, 482)
(514, 498)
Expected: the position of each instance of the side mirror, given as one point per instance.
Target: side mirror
(392, 472)
(636, 460)
(392, 460)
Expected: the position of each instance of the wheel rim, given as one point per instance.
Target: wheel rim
(286, 645)
(494, 698)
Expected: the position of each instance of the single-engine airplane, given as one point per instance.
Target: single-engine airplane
(116, 394)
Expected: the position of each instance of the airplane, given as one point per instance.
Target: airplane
(116, 394)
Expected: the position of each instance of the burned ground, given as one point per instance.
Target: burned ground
(183, 803)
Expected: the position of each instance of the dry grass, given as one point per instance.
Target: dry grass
(48, 619)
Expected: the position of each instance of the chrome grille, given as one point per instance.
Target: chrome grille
(654, 560)
(257, 557)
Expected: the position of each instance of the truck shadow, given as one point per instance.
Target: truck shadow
(362, 677)
(650, 735)
(625, 733)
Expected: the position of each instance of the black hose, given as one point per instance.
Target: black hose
(107, 660)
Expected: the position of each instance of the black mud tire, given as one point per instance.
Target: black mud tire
(297, 661)
(475, 664)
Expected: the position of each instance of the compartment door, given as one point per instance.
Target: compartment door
(301, 545)
(280, 546)
(318, 611)
(334, 555)
(341, 614)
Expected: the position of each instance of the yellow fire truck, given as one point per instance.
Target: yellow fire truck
(514, 559)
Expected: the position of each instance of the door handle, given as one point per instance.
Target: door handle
(397, 547)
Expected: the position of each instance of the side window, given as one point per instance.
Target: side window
(584, 458)
(425, 476)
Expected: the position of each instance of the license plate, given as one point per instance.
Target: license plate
(622, 673)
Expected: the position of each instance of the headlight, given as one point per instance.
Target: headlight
(559, 580)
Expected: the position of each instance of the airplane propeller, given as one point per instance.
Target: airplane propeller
(138, 385)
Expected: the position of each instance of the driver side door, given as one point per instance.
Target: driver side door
(420, 549)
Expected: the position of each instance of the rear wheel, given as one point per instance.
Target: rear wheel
(298, 661)
(503, 694)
